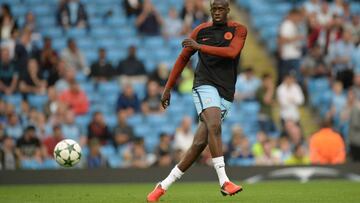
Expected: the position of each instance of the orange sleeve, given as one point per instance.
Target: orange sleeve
(233, 50)
(83, 106)
(183, 59)
(341, 155)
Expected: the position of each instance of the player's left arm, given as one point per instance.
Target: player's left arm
(233, 50)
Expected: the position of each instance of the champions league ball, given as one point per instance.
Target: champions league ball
(67, 153)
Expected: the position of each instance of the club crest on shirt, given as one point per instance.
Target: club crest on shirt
(207, 100)
(228, 35)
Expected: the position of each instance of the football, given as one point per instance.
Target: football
(67, 153)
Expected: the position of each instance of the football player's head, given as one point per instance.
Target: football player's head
(219, 11)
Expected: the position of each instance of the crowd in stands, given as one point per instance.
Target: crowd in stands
(112, 108)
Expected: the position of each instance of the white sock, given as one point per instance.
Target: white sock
(174, 175)
(219, 166)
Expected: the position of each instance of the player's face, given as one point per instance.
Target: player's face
(219, 11)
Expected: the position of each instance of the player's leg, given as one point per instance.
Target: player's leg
(198, 145)
(212, 117)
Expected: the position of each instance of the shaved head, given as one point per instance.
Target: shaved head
(226, 2)
(219, 10)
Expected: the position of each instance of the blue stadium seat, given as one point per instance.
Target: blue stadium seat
(111, 119)
(37, 101)
(135, 120)
(107, 151)
(59, 44)
(142, 131)
(53, 32)
(41, 10)
(155, 120)
(153, 42)
(14, 99)
(115, 161)
(30, 164)
(83, 120)
(107, 88)
(76, 33)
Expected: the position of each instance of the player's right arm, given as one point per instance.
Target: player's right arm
(179, 66)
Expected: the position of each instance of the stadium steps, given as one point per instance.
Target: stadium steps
(254, 54)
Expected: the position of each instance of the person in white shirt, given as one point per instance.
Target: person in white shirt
(338, 7)
(290, 45)
(290, 98)
(184, 135)
(325, 16)
(173, 25)
(74, 57)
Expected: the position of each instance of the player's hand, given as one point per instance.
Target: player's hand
(165, 98)
(190, 43)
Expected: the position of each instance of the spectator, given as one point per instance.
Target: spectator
(32, 82)
(270, 157)
(299, 157)
(74, 58)
(30, 22)
(285, 149)
(101, 70)
(70, 129)
(52, 105)
(193, 14)
(354, 27)
(290, 45)
(257, 148)
(152, 101)
(239, 151)
(173, 25)
(324, 16)
(13, 128)
(29, 146)
(48, 57)
(128, 101)
(338, 7)
(161, 74)
(2, 111)
(66, 78)
(290, 97)
(184, 135)
(51, 141)
(72, 13)
(356, 87)
(131, 66)
(354, 132)
(123, 133)
(136, 155)
(187, 80)
(310, 65)
(7, 23)
(327, 146)
(8, 157)
(312, 6)
(132, 7)
(340, 56)
(8, 73)
(98, 129)
(163, 151)
(149, 20)
(293, 132)
(42, 126)
(95, 159)
(75, 99)
(247, 85)
(338, 100)
(265, 95)
(24, 49)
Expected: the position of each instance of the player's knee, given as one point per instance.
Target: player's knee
(214, 126)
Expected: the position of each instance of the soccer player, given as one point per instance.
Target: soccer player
(219, 44)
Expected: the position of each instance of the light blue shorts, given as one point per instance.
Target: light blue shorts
(207, 96)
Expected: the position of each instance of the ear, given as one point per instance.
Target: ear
(228, 10)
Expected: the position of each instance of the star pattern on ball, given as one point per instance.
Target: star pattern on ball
(68, 162)
(57, 152)
(71, 148)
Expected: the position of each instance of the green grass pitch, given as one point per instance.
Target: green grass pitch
(276, 191)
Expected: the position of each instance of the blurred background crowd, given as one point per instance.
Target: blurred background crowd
(93, 71)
